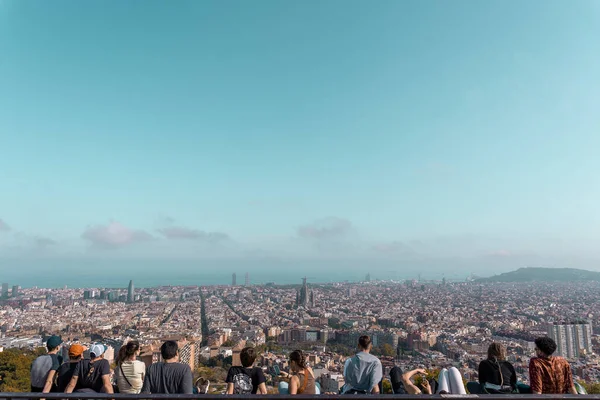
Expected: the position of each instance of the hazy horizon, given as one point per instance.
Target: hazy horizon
(340, 137)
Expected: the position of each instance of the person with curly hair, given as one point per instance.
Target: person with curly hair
(549, 374)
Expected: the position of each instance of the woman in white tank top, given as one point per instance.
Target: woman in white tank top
(130, 372)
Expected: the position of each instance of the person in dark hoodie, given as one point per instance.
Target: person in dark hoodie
(496, 375)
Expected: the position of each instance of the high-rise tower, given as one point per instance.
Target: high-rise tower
(130, 292)
(572, 339)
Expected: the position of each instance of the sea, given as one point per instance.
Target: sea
(116, 273)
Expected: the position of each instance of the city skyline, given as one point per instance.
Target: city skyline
(390, 137)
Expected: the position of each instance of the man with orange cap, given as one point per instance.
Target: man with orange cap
(65, 372)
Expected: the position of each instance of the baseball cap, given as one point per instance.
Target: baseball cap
(76, 350)
(97, 350)
(53, 341)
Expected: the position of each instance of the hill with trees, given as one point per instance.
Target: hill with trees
(545, 275)
(15, 365)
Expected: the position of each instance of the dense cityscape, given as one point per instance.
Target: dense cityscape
(412, 324)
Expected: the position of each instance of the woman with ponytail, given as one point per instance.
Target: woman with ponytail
(130, 372)
(302, 379)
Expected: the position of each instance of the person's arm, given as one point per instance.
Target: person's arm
(513, 376)
(262, 389)
(426, 386)
(229, 381)
(187, 385)
(106, 383)
(49, 380)
(230, 388)
(569, 380)
(376, 377)
(146, 384)
(294, 383)
(410, 387)
(535, 378)
(262, 383)
(72, 384)
(482, 373)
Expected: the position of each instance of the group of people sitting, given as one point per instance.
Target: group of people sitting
(363, 373)
(548, 374)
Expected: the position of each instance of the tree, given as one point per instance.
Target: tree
(15, 365)
(388, 350)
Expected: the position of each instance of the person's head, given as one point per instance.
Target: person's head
(297, 360)
(247, 356)
(364, 343)
(53, 343)
(97, 350)
(76, 352)
(496, 352)
(129, 351)
(545, 346)
(169, 350)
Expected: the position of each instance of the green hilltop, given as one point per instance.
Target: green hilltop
(544, 275)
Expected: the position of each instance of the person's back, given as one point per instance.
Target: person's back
(307, 383)
(66, 370)
(65, 373)
(496, 375)
(130, 372)
(549, 374)
(43, 368)
(92, 375)
(245, 379)
(363, 372)
(130, 376)
(170, 376)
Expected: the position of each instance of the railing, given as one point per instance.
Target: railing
(117, 396)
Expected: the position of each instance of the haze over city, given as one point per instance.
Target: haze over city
(186, 141)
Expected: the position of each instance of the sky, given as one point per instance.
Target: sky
(339, 137)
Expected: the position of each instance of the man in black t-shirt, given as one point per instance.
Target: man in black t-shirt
(245, 379)
(93, 376)
(65, 372)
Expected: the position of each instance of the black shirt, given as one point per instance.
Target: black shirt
(497, 373)
(245, 379)
(65, 373)
(89, 374)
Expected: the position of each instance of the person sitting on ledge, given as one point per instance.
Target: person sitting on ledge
(549, 374)
(245, 379)
(410, 387)
(363, 372)
(169, 376)
(302, 380)
(450, 382)
(496, 375)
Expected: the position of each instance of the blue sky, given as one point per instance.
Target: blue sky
(307, 130)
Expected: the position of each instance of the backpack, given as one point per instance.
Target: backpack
(242, 384)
